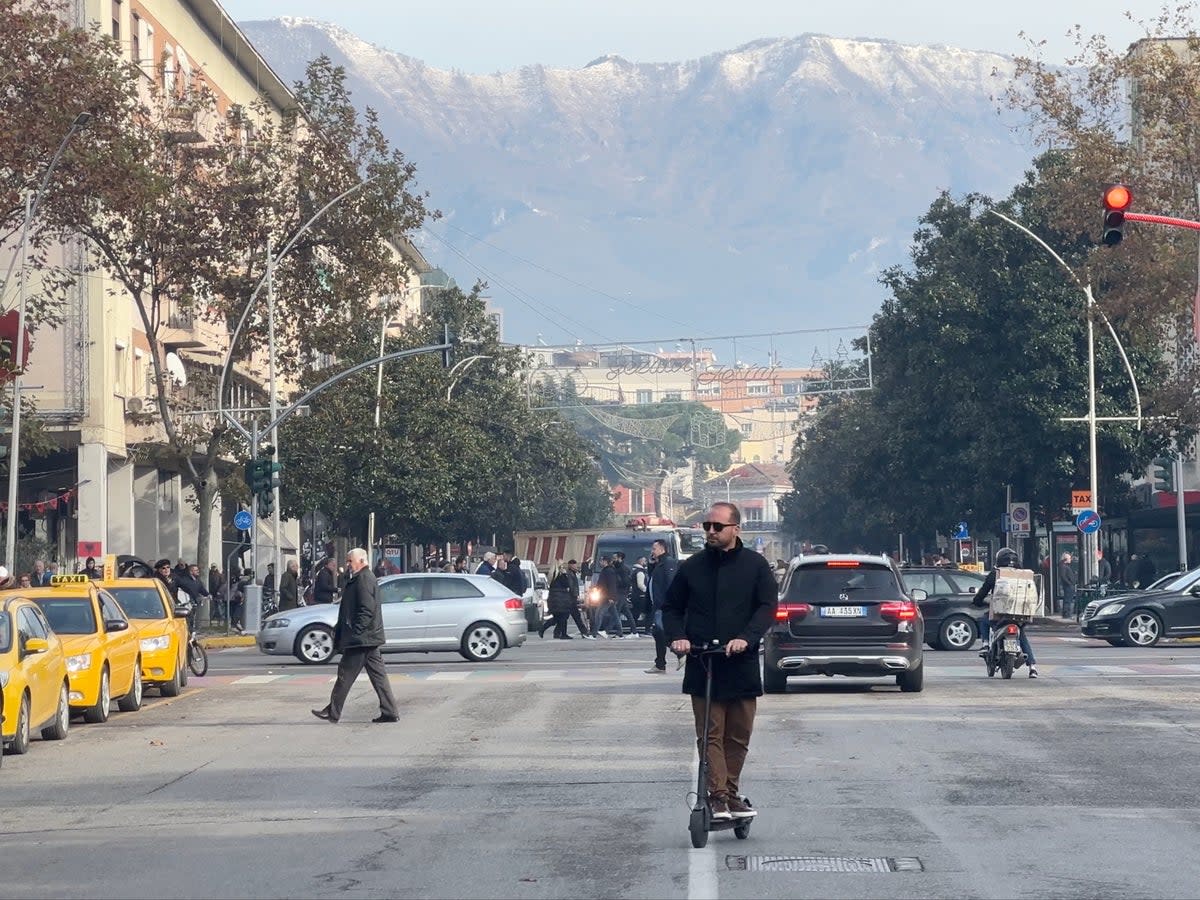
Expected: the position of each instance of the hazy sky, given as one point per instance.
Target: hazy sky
(492, 35)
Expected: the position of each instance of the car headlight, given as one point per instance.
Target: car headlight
(3, 679)
(156, 643)
(1111, 610)
(277, 623)
(79, 662)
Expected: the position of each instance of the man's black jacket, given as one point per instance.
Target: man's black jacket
(722, 595)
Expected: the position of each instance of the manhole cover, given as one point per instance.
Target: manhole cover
(849, 864)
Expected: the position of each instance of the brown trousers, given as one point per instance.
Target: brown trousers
(730, 724)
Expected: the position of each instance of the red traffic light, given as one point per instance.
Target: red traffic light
(1118, 197)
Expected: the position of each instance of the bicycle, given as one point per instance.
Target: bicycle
(197, 656)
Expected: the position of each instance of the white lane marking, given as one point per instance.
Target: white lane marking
(548, 675)
(257, 679)
(1075, 640)
(702, 864)
(449, 676)
(1114, 670)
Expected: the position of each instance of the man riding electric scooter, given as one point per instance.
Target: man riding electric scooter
(1006, 558)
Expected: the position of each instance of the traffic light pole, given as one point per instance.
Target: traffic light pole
(1180, 511)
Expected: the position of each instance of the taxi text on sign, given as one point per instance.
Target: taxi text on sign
(1081, 500)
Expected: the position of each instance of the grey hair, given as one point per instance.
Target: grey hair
(358, 554)
(489, 556)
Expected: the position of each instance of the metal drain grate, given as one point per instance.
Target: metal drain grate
(881, 865)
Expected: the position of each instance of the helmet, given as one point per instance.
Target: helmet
(1006, 558)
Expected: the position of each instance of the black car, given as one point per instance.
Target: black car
(845, 615)
(1143, 619)
(951, 622)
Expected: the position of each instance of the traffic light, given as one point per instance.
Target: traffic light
(1117, 199)
(1162, 474)
(258, 475)
(266, 504)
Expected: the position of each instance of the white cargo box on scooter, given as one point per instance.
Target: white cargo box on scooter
(1015, 595)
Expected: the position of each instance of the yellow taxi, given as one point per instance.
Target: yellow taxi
(163, 635)
(103, 651)
(34, 689)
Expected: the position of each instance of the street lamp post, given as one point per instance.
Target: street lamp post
(32, 201)
(383, 324)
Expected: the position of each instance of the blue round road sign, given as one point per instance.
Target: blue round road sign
(1088, 521)
(242, 520)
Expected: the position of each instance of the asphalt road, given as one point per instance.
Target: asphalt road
(561, 770)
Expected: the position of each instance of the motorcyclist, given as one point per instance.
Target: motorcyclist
(1006, 558)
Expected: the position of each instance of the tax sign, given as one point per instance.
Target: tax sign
(1088, 521)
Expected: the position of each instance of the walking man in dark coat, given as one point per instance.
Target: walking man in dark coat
(662, 573)
(289, 586)
(326, 587)
(358, 636)
(726, 594)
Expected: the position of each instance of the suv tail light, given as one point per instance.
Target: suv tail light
(1012, 629)
(785, 611)
(514, 603)
(901, 610)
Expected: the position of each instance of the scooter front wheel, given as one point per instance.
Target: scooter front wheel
(699, 829)
(990, 662)
(741, 832)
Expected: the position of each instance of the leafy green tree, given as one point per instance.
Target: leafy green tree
(437, 469)
(184, 220)
(979, 353)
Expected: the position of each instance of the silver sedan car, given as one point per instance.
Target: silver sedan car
(472, 614)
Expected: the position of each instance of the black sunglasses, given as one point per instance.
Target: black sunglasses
(717, 526)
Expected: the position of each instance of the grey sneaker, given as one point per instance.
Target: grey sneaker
(740, 808)
(1033, 672)
(655, 670)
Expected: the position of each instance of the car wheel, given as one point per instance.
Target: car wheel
(132, 701)
(20, 741)
(57, 730)
(171, 688)
(912, 681)
(181, 666)
(1142, 628)
(99, 712)
(774, 680)
(482, 641)
(957, 633)
(314, 645)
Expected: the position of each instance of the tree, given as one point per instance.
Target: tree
(440, 469)
(978, 354)
(184, 223)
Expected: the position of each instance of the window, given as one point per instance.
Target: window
(673, 396)
(758, 389)
(402, 590)
(791, 388)
(141, 603)
(452, 589)
(116, 20)
(135, 40)
(32, 625)
(747, 429)
(5, 632)
(111, 609)
(168, 71)
(709, 390)
(74, 616)
(645, 396)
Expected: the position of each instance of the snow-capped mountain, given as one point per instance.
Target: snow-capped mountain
(758, 189)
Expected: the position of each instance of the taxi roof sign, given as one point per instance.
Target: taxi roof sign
(56, 580)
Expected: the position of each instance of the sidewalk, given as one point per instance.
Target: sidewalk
(1054, 623)
(219, 640)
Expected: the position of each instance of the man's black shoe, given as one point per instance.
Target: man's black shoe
(382, 718)
(323, 714)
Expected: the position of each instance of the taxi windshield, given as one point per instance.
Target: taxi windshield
(5, 632)
(139, 602)
(69, 615)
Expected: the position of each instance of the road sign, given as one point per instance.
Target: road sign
(1005, 523)
(1088, 521)
(1081, 500)
(242, 520)
(1019, 518)
(961, 533)
(759, 543)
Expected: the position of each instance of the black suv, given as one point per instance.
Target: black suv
(951, 622)
(845, 615)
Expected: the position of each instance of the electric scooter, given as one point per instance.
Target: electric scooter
(701, 821)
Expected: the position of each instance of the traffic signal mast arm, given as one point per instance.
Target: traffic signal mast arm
(1162, 220)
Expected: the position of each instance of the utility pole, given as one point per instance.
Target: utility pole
(274, 405)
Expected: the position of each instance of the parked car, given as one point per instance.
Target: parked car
(1144, 618)
(103, 653)
(951, 622)
(163, 634)
(475, 615)
(34, 688)
(845, 615)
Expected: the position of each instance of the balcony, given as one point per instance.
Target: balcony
(182, 125)
(757, 525)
